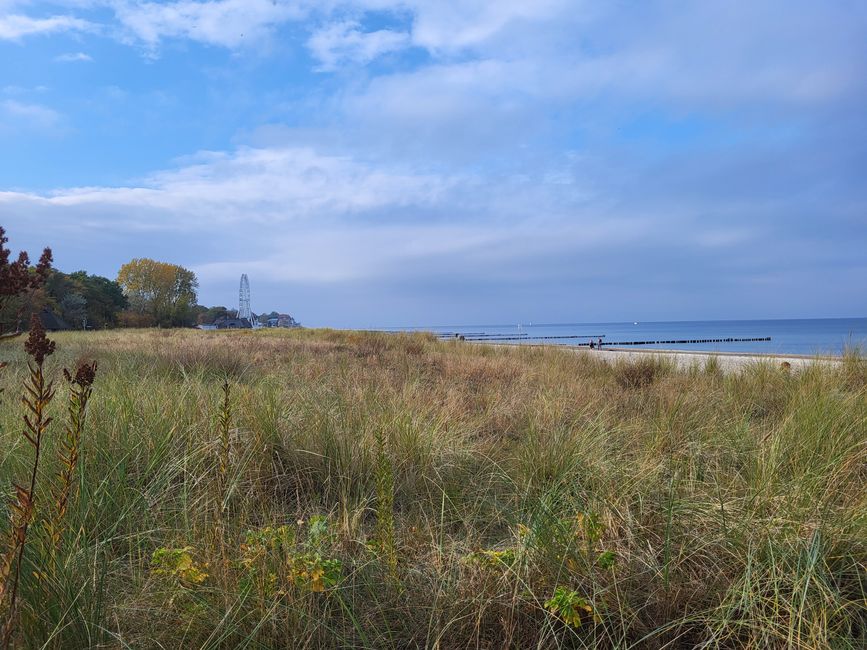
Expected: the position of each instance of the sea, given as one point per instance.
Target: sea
(814, 336)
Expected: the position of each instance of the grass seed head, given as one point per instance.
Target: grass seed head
(38, 345)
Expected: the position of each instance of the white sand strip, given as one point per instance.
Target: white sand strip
(728, 361)
(685, 359)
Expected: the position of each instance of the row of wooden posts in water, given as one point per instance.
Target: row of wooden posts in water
(592, 342)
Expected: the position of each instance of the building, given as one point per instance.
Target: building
(282, 320)
(227, 323)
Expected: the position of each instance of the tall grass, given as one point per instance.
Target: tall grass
(391, 491)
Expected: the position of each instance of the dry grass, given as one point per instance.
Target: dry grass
(683, 508)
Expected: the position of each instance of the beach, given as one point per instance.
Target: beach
(727, 361)
(684, 360)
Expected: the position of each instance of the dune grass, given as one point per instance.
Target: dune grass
(392, 491)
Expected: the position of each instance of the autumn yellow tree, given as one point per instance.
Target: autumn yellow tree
(164, 294)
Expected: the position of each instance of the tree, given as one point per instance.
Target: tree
(73, 308)
(213, 314)
(18, 280)
(105, 299)
(165, 292)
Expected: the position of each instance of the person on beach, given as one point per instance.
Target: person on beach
(591, 344)
(599, 344)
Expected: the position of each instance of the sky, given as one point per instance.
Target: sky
(374, 163)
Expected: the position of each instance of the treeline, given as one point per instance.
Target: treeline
(213, 315)
(146, 293)
(81, 300)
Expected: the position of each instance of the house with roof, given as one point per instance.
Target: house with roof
(230, 323)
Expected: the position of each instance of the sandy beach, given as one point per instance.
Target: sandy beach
(728, 361)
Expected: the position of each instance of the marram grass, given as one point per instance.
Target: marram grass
(391, 491)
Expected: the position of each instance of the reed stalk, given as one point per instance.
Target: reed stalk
(38, 395)
(224, 421)
(80, 390)
(385, 504)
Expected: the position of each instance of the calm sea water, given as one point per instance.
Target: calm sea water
(825, 336)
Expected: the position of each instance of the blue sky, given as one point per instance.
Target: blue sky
(379, 162)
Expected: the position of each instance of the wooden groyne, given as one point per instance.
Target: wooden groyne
(525, 337)
(684, 341)
(594, 337)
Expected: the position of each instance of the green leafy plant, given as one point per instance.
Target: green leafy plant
(314, 572)
(606, 559)
(272, 560)
(263, 561)
(491, 559)
(179, 565)
(570, 607)
(588, 527)
(318, 532)
(312, 568)
(588, 531)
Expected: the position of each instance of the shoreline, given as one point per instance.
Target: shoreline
(684, 359)
(727, 361)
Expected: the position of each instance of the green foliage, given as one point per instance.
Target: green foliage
(314, 572)
(73, 308)
(493, 559)
(272, 561)
(82, 299)
(178, 564)
(607, 559)
(574, 610)
(164, 292)
(104, 299)
(318, 532)
(589, 527)
(208, 315)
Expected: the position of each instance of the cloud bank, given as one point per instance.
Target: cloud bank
(439, 161)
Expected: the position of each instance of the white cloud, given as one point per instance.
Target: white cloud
(30, 115)
(328, 218)
(72, 57)
(445, 26)
(711, 53)
(440, 27)
(227, 23)
(15, 26)
(286, 185)
(329, 226)
(344, 42)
